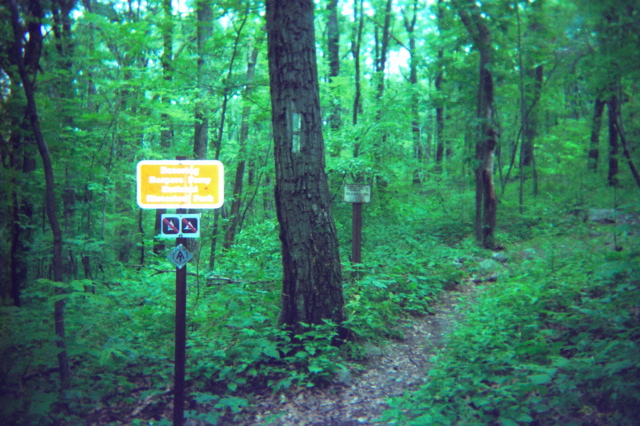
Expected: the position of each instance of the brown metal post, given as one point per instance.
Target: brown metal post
(181, 340)
(181, 335)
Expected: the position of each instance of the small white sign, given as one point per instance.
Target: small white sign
(180, 226)
(179, 256)
(355, 193)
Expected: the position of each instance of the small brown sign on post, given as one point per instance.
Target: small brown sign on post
(356, 193)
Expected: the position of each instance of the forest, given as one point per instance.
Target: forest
(494, 277)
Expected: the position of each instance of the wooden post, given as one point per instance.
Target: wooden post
(356, 233)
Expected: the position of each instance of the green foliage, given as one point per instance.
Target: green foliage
(556, 341)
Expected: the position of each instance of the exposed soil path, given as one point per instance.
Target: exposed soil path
(389, 371)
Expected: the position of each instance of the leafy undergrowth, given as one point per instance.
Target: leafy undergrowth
(120, 337)
(555, 342)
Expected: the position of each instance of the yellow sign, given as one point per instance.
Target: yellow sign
(180, 184)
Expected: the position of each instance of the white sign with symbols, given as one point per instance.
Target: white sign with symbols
(179, 256)
(180, 226)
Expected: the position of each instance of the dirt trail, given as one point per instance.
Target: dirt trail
(396, 368)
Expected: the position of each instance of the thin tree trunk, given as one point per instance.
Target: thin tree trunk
(523, 114)
(612, 106)
(625, 147)
(410, 25)
(218, 142)
(530, 124)
(486, 199)
(27, 68)
(236, 202)
(358, 19)
(166, 132)
(440, 143)
(333, 48)
(204, 32)
(382, 48)
(596, 126)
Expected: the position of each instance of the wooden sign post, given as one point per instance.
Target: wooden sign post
(357, 195)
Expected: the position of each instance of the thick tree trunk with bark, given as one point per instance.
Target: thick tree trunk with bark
(312, 282)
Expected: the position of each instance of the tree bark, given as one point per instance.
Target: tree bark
(625, 147)
(596, 126)
(383, 48)
(418, 151)
(204, 32)
(218, 141)
(612, 107)
(166, 132)
(236, 202)
(333, 48)
(356, 41)
(312, 282)
(440, 143)
(27, 68)
(486, 141)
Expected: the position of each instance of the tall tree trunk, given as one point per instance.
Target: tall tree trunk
(312, 279)
(236, 202)
(21, 164)
(333, 48)
(530, 131)
(382, 47)
(625, 147)
(204, 32)
(612, 107)
(356, 41)
(166, 132)
(533, 87)
(218, 141)
(381, 58)
(523, 113)
(27, 68)
(486, 199)
(596, 126)
(440, 143)
(418, 151)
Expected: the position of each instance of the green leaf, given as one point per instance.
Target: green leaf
(540, 379)
(271, 351)
(507, 422)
